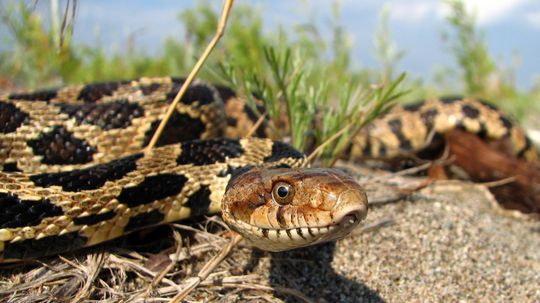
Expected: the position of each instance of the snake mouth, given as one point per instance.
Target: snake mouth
(279, 239)
(346, 223)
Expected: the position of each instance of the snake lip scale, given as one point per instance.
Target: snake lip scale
(309, 235)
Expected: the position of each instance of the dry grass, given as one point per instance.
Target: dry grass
(142, 268)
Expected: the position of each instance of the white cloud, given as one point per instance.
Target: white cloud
(533, 18)
(493, 11)
(486, 11)
(412, 11)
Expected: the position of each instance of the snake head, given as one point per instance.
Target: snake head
(281, 209)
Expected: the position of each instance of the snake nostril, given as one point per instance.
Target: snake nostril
(350, 219)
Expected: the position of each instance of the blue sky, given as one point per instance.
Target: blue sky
(511, 27)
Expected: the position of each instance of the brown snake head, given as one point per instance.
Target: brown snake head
(280, 209)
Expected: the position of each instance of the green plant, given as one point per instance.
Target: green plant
(313, 109)
(385, 49)
(34, 56)
(470, 49)
(481, 74)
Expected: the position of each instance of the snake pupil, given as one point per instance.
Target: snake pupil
(282, 191)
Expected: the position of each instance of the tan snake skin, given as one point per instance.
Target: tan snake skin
(74, 175)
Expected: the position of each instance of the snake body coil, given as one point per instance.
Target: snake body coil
(74, 175)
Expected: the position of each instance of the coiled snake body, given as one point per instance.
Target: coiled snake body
(74, 175)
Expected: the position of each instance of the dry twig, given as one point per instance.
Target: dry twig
(219, 33)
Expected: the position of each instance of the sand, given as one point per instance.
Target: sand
(446, 243)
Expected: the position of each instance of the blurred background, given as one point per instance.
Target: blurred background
(488, 49)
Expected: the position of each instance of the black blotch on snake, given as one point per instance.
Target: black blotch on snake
(205, 152)
(111, 115)
(94, 218)
(89, 178)
(488, 104)
(450, 99)
(153, 188)
(146, 219)
(11, 167)
(199, 201)
(59, 146)
(281, 150)
(428, 117)
(528, 145)
(150, 88)
(52, 245)
(11, 118)
(413, 107)
(507, 123)
(203, 94)
(181, 127)
(396, 126)
(470, 111)
(40, 95)
(16, 212)
(94, 92)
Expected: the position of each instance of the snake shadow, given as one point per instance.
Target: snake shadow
(309, 271)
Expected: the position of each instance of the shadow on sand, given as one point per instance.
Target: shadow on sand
(309, 271)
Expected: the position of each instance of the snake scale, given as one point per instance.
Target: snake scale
(73, 174)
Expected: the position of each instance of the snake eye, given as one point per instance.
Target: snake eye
(282, 193)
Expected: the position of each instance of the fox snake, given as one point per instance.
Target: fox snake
(73, 174)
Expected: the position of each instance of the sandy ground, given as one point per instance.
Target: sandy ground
(446, 242)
